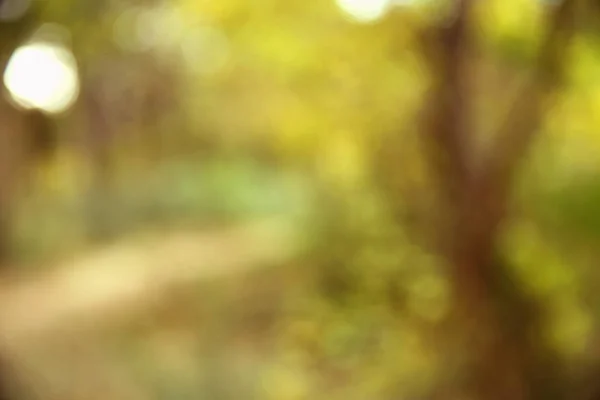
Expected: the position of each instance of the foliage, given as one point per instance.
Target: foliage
(220, 111)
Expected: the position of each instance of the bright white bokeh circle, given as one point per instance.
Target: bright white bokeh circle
(44, 76)
(365, 11)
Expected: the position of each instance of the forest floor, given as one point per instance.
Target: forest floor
(54, 313)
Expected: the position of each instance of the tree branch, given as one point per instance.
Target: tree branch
(524, 119)
(447, 109)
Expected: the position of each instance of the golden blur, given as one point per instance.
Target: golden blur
(233, 199)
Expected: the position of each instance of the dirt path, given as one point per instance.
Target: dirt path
(124, 278)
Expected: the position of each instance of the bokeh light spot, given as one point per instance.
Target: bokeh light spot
(364, 11)
(43, 76)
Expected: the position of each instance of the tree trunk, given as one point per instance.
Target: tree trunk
(498, 321)
(98, 142)
(13, 172)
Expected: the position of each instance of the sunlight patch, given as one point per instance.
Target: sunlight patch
(42, 76)
(365, 11)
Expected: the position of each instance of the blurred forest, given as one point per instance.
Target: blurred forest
(300, 199)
